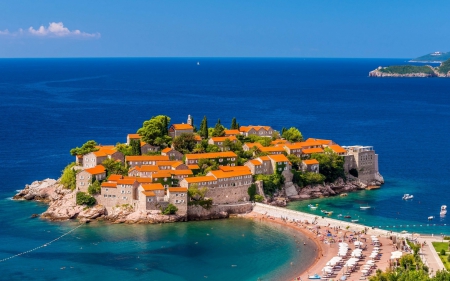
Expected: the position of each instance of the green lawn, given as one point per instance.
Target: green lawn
(438, 246)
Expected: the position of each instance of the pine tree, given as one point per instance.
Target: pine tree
(192, 121)
(283, 130)
(219, 130)
(233, 124)
(165, 129)
(204, 128)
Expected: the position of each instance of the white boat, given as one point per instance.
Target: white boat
(355, 220)
(430, 218)
(443, 210)
(407, 196)
(312, 207)
(364, 207)
(198, 63)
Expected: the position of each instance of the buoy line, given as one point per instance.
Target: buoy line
(42, 246)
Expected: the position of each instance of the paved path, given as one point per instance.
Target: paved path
(429, 254)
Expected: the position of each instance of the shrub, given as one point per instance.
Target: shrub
(170, 210)
(259, 198)
(205, 203)
(252, 192)
(442, 253)
(85, 199)
(69, 177)
(94, 188)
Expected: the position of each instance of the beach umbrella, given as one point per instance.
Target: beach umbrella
(343, 244)
(358, 243)
(373, 255)
(370, 262)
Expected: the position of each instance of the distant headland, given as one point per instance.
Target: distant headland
(443, 70)
(435, 57)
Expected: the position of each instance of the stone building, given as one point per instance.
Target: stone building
(87, 176)
(224, 186)
(131, 137)
(268, 165)
(178, 197)
(249, 145)
(229, 133)
(219, 141)
(262, 131)
(133, 161)
(95, 158)
(177, 129)
(310, 165)
(146, 148)
(365, 161)
(272, 150)
(172, 153)
(227, 158)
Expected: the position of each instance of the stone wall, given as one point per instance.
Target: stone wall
(217, 211)
(230, 194)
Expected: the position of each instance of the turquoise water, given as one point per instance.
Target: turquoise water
(233, 249)
(49, 106)
(388, 210)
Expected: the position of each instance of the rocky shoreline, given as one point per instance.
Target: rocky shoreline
(62, 203)
(435, 73)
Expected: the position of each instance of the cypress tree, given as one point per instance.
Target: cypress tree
(165, 129)
(233, 124)
(204, 128)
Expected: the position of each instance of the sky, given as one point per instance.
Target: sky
(231, 28)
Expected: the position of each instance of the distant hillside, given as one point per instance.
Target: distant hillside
(436, 56)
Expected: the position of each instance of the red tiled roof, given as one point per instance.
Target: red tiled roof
(148, 193)
(199, 179)
(109, 184)
(178, 189)
(152, 186)
(278, 158)
(147, 158)
(182, 127)
(310, 162)
(211, 155)
(312, 150)
(337, 148)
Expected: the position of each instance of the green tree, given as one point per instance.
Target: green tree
(69, 177)
(310, 178)
(195, 193)
(292, 134)
(259, 198)
(86, 148)
(85, 199)
(252, 191)
(185, 142)
(153, 129)
(212, 148)
(219, 130)
(295, 161)
(204, 128)
(94, 188)
(124, 148)
(135, 147)
(271, 183)
(115, 167)
(234, 125)
(170, 210)
(331, 165)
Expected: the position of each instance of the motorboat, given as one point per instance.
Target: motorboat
(315, 276)
(407, 196)
(443, 210)
(430, 218)
(312, 207)
(364, 207)
(340, 215)
(347, 217)
(327, 212)
(355, 220)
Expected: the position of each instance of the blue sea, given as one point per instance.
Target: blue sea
(49, 106)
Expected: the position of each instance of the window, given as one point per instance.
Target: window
(220, 160)
(106, 189)
(82, 177)
(150, 199)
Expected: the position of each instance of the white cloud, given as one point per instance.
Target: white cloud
(54, 29)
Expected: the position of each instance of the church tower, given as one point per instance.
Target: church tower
(189, 120)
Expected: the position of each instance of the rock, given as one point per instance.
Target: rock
(34, 216)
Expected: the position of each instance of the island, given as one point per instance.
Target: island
(412, 71)
(177, 172)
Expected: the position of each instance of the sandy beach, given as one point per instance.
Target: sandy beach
(326, 234)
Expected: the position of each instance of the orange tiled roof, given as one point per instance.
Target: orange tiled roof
(231, 132)
(253, 144)
(216, 139)
(178, 189)
(278, 158)
(199, 179)
(126, 181)
(298, 145)
(264, 158)
(169, 163)
(221, 174)
(147, 158)
(144, 143)
(115, 177)
(337, 148)
(234, 168)
(280, 141)
(152, 186)
(162, 174)
(139, 179)
(181, 172)
(310, 162)
(99, 169)
(149, 168)
(182, 127)
(197, 138)
(257, 128)
(211, 155)
(312, 150)
(193, 167)
(109, 184)
(255, 162)
(148, 193)
(133, 136)
(271, 148)
(165, 150)
(327, 142)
